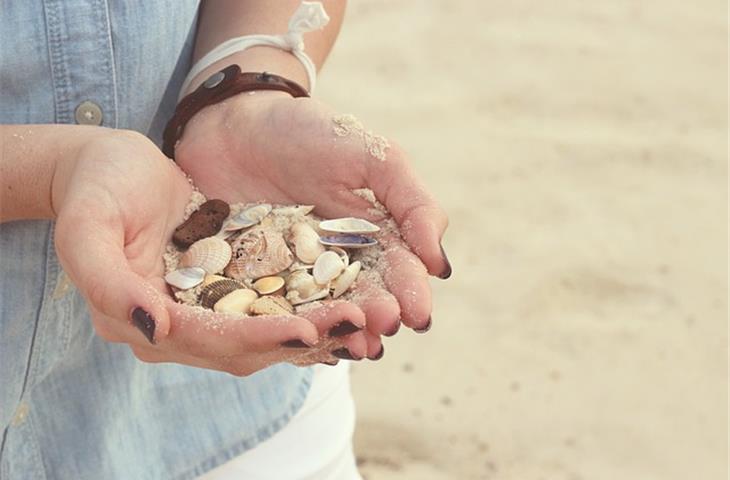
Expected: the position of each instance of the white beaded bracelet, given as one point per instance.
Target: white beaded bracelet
(309, 16)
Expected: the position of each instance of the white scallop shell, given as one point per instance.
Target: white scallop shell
(212, 254)
(306, 242)
(185, 278)
(238, 301)
(327, 267)
(346, 279)
(348, 225)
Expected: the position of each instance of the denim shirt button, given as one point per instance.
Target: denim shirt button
(88, 113)
(20, 414)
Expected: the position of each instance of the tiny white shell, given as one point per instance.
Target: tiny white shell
(306, 242)
(346, 279)
(185, 278)
(348, 225)
(246, 218)
(238, 301)
(290, 210)
(296, 299)
(212, 254)
(327, 267)
(302, 284)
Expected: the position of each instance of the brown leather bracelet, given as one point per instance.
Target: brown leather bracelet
(221, 85)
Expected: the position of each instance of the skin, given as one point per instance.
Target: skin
(117, 199)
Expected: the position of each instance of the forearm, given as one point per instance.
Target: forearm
(29, 156)
(221, 20)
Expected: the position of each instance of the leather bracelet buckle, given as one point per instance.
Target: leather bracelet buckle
(222, 85)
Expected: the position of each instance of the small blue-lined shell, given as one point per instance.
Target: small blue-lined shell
(348, 241)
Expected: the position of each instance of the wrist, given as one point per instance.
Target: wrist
(257, 59)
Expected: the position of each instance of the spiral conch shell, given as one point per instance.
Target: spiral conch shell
(259, 253)
(306, 242)
(212, 254)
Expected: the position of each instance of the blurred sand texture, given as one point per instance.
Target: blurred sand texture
(580, 149)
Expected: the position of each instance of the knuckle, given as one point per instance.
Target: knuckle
(104, 330)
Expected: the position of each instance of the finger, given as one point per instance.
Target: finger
(375, 349)
(335, 319)
(421, 221)
(380, 306)
(205, 333)
(91, 251)
(406, 278)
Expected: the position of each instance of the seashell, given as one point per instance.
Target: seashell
(247, 218)
(300, 266)
(302, 283)
(185, 278)
(211, 293)
(259, 253)
(342, 253)
(268, 285)
(348, 225)
(296, 299)
(327, 267)
(238, 301)
(292, 210)
(306, 242)
(346, 279)
(271, 305)
(212, 254)
(204, 222)
(348, 241)
(213, 278)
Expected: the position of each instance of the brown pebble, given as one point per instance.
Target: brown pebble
(204, 222)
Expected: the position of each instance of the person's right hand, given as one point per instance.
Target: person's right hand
(118, 200)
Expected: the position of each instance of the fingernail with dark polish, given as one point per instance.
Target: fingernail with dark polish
(447, 271)
(331, 364)
(394, 330)
(295, 343)
(343, 353)
(145, 323)
(425, 328)
(379, 355)
(343, 328)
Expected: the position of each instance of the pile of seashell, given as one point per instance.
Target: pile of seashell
(263, 260)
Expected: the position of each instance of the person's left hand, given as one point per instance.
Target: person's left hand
(270, 147)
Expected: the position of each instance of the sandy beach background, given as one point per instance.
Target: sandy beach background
(580, 149)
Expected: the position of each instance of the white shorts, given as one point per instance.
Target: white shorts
(315, 445)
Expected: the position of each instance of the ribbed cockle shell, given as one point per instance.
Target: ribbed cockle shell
(212, 254)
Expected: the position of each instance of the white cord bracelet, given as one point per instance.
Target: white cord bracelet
(309, 16)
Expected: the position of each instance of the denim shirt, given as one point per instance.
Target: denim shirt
(71, 405)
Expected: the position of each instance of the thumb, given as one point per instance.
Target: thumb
(92, 253)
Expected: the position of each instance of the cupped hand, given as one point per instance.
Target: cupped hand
(118, 200)
(271, 147)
